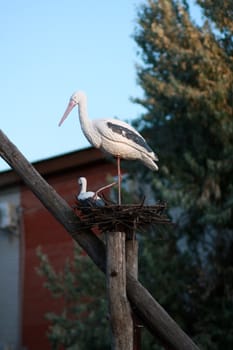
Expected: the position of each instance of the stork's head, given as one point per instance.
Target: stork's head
(75, 99)
(82, 181)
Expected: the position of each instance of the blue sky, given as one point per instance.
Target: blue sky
(49, 49)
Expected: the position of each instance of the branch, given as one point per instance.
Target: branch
(154, 317)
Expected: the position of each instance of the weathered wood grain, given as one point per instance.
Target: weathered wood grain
(119, 308)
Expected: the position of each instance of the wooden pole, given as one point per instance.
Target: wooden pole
(131, 248)
(154, 317)
(119, 308)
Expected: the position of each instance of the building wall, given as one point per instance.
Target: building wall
(41, 229)
(10, 296)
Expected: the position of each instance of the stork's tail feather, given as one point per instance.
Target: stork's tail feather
(150, 161)
(152, 165)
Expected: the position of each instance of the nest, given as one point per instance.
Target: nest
(128, 218)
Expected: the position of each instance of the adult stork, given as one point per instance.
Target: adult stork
(112, 136)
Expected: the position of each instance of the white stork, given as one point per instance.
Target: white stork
(112, 136)
(88, 198)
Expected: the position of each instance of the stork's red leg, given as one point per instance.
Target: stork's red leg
(119, 179)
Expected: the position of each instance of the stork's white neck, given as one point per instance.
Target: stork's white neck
(83, 185)
(86, 124)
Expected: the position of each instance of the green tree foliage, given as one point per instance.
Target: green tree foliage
(221, 13)
(80, 288)
(186, 74)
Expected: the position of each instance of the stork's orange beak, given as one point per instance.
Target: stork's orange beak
(69, 108)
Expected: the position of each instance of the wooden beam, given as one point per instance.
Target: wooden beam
(154, 317)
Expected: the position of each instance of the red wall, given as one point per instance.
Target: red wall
(41, 229)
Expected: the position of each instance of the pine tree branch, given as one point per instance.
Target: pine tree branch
(154, 317)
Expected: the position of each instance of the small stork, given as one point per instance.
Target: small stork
(88, 198)
(112, 136)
